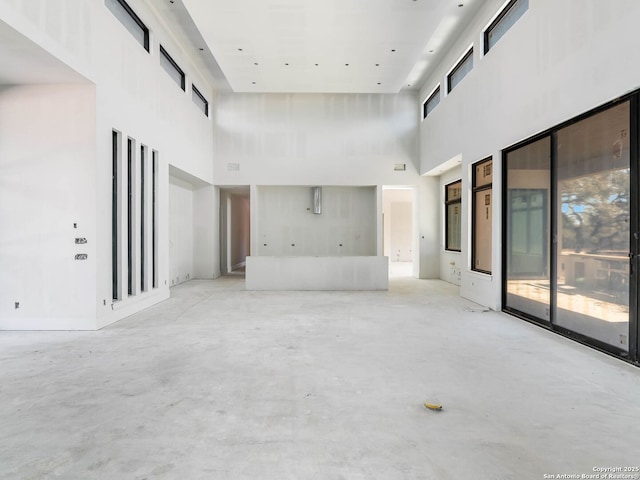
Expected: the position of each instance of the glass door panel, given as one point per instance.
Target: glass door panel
(528, 288)
(593, 231)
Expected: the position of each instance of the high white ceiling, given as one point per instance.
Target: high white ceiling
(346, 46)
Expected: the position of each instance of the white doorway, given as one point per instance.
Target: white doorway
(397, 226)
(235, 230)
(181, 240)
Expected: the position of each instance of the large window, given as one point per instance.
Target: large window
(134, 222)
(482, 216)
(154, 219)
(527, 231)
(464, 66)
(115, 214)
(143, 218)
(431, 102)
(503, 22)
(453, 216)
(130, 215)
(593, 232)
(130, 20)
(172, 68)
(568, 223)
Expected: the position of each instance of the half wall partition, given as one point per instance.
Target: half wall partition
(301, 244)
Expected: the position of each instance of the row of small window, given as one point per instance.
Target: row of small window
(132, 22)
(134, 213)
(508, 16)
(481, 219)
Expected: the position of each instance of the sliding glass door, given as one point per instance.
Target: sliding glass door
(593, 164)
(528, 281)
(569, 229)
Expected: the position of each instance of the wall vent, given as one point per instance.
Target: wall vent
(233, 167)
(400, 167)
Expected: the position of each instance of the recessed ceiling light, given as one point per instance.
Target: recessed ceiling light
(461, 5)
(379, 83)
(256, 63)
(170, 1)
(393, 49)
(346, 64)
(377, 64)
(253, 83)
(316, 64)
(286, 64)
(430, 51)
(239, 49)
(201, 49)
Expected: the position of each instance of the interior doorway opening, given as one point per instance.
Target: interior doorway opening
(398, 230)
(181, 227)
(235, 230)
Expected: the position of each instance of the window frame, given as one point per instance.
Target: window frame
(131, 149)
(196, 92)
(425, 105)
(458, 66)
(143, 217)
(134, 16)
(448, 202)
(165, 54)
(155, 186)
(496, 21)
(633, 354)
(475, 188)
(116, 161)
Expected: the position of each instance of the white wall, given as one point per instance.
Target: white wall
(559, 60)
(428, 219)
(206, 245)
(326, 140)
(135, 96)
(316, 139)
(287, 226)
(47, 172)
(181, 228)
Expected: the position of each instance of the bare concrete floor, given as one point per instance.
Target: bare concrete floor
(221, 383)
